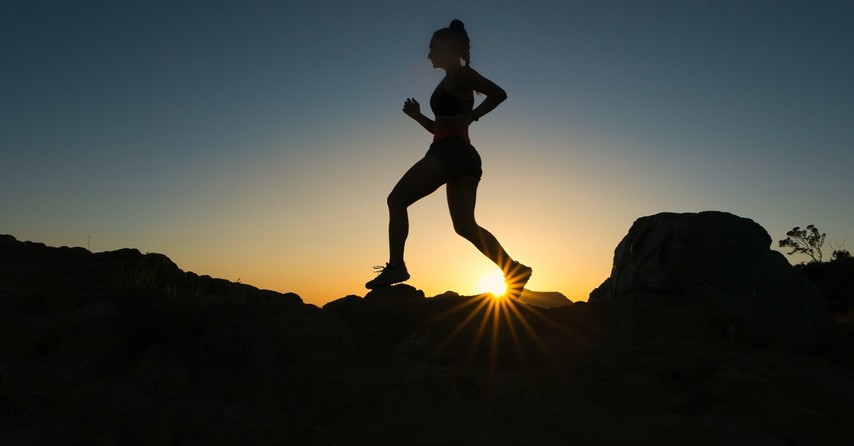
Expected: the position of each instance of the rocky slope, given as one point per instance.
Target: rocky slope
(125, 348)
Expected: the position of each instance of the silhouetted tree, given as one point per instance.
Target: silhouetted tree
(805, 241)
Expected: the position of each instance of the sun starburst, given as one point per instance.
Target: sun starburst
(492, 282)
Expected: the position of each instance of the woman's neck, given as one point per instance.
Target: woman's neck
(451, 69)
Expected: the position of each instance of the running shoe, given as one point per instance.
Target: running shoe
(388, 275)
(516, 277)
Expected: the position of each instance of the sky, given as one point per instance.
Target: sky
(257, 140)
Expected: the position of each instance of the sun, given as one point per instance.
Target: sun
(492, 282)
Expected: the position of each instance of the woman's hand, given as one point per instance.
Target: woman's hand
(412, 108)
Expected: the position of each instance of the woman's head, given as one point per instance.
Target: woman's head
(449, 45)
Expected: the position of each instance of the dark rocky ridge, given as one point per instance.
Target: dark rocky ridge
(125, 348)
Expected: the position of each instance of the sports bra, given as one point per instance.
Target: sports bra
(445, 104)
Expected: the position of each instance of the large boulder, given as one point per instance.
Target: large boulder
(724, 262)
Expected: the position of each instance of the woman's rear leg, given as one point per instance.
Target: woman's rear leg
(462, 195)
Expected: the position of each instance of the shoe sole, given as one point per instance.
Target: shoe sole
(517, 281)
(386, 284)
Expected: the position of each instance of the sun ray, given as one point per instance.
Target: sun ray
(512, 329)
(527, 326)
(481, 328)
(462, 325)
(460, 307)
(496, 325)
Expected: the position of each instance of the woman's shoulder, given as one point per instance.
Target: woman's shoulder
(464, 72)
(463, 77)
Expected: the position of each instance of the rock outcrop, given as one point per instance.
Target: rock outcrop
(723, 262)
(125, 348)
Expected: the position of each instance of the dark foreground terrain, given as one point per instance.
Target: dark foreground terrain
(124, 348)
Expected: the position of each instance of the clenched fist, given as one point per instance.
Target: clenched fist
(412, 108)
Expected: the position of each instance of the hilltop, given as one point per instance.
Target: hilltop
(125, 348)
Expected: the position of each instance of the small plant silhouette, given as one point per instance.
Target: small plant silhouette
(838, 252)
(805, 241)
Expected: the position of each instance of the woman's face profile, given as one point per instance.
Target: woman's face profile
(442, 53)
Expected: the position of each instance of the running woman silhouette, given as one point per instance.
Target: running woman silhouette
(451, 160)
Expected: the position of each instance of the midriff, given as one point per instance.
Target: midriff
(443, 129)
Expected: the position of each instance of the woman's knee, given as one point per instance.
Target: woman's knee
(394, 201)
(467, 229)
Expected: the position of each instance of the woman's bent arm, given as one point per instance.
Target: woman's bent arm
(469, 79)
(413, 110)
(425, 122)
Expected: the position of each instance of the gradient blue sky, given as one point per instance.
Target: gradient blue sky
(258, 140)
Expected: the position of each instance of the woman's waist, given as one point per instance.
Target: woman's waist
(451, 133)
